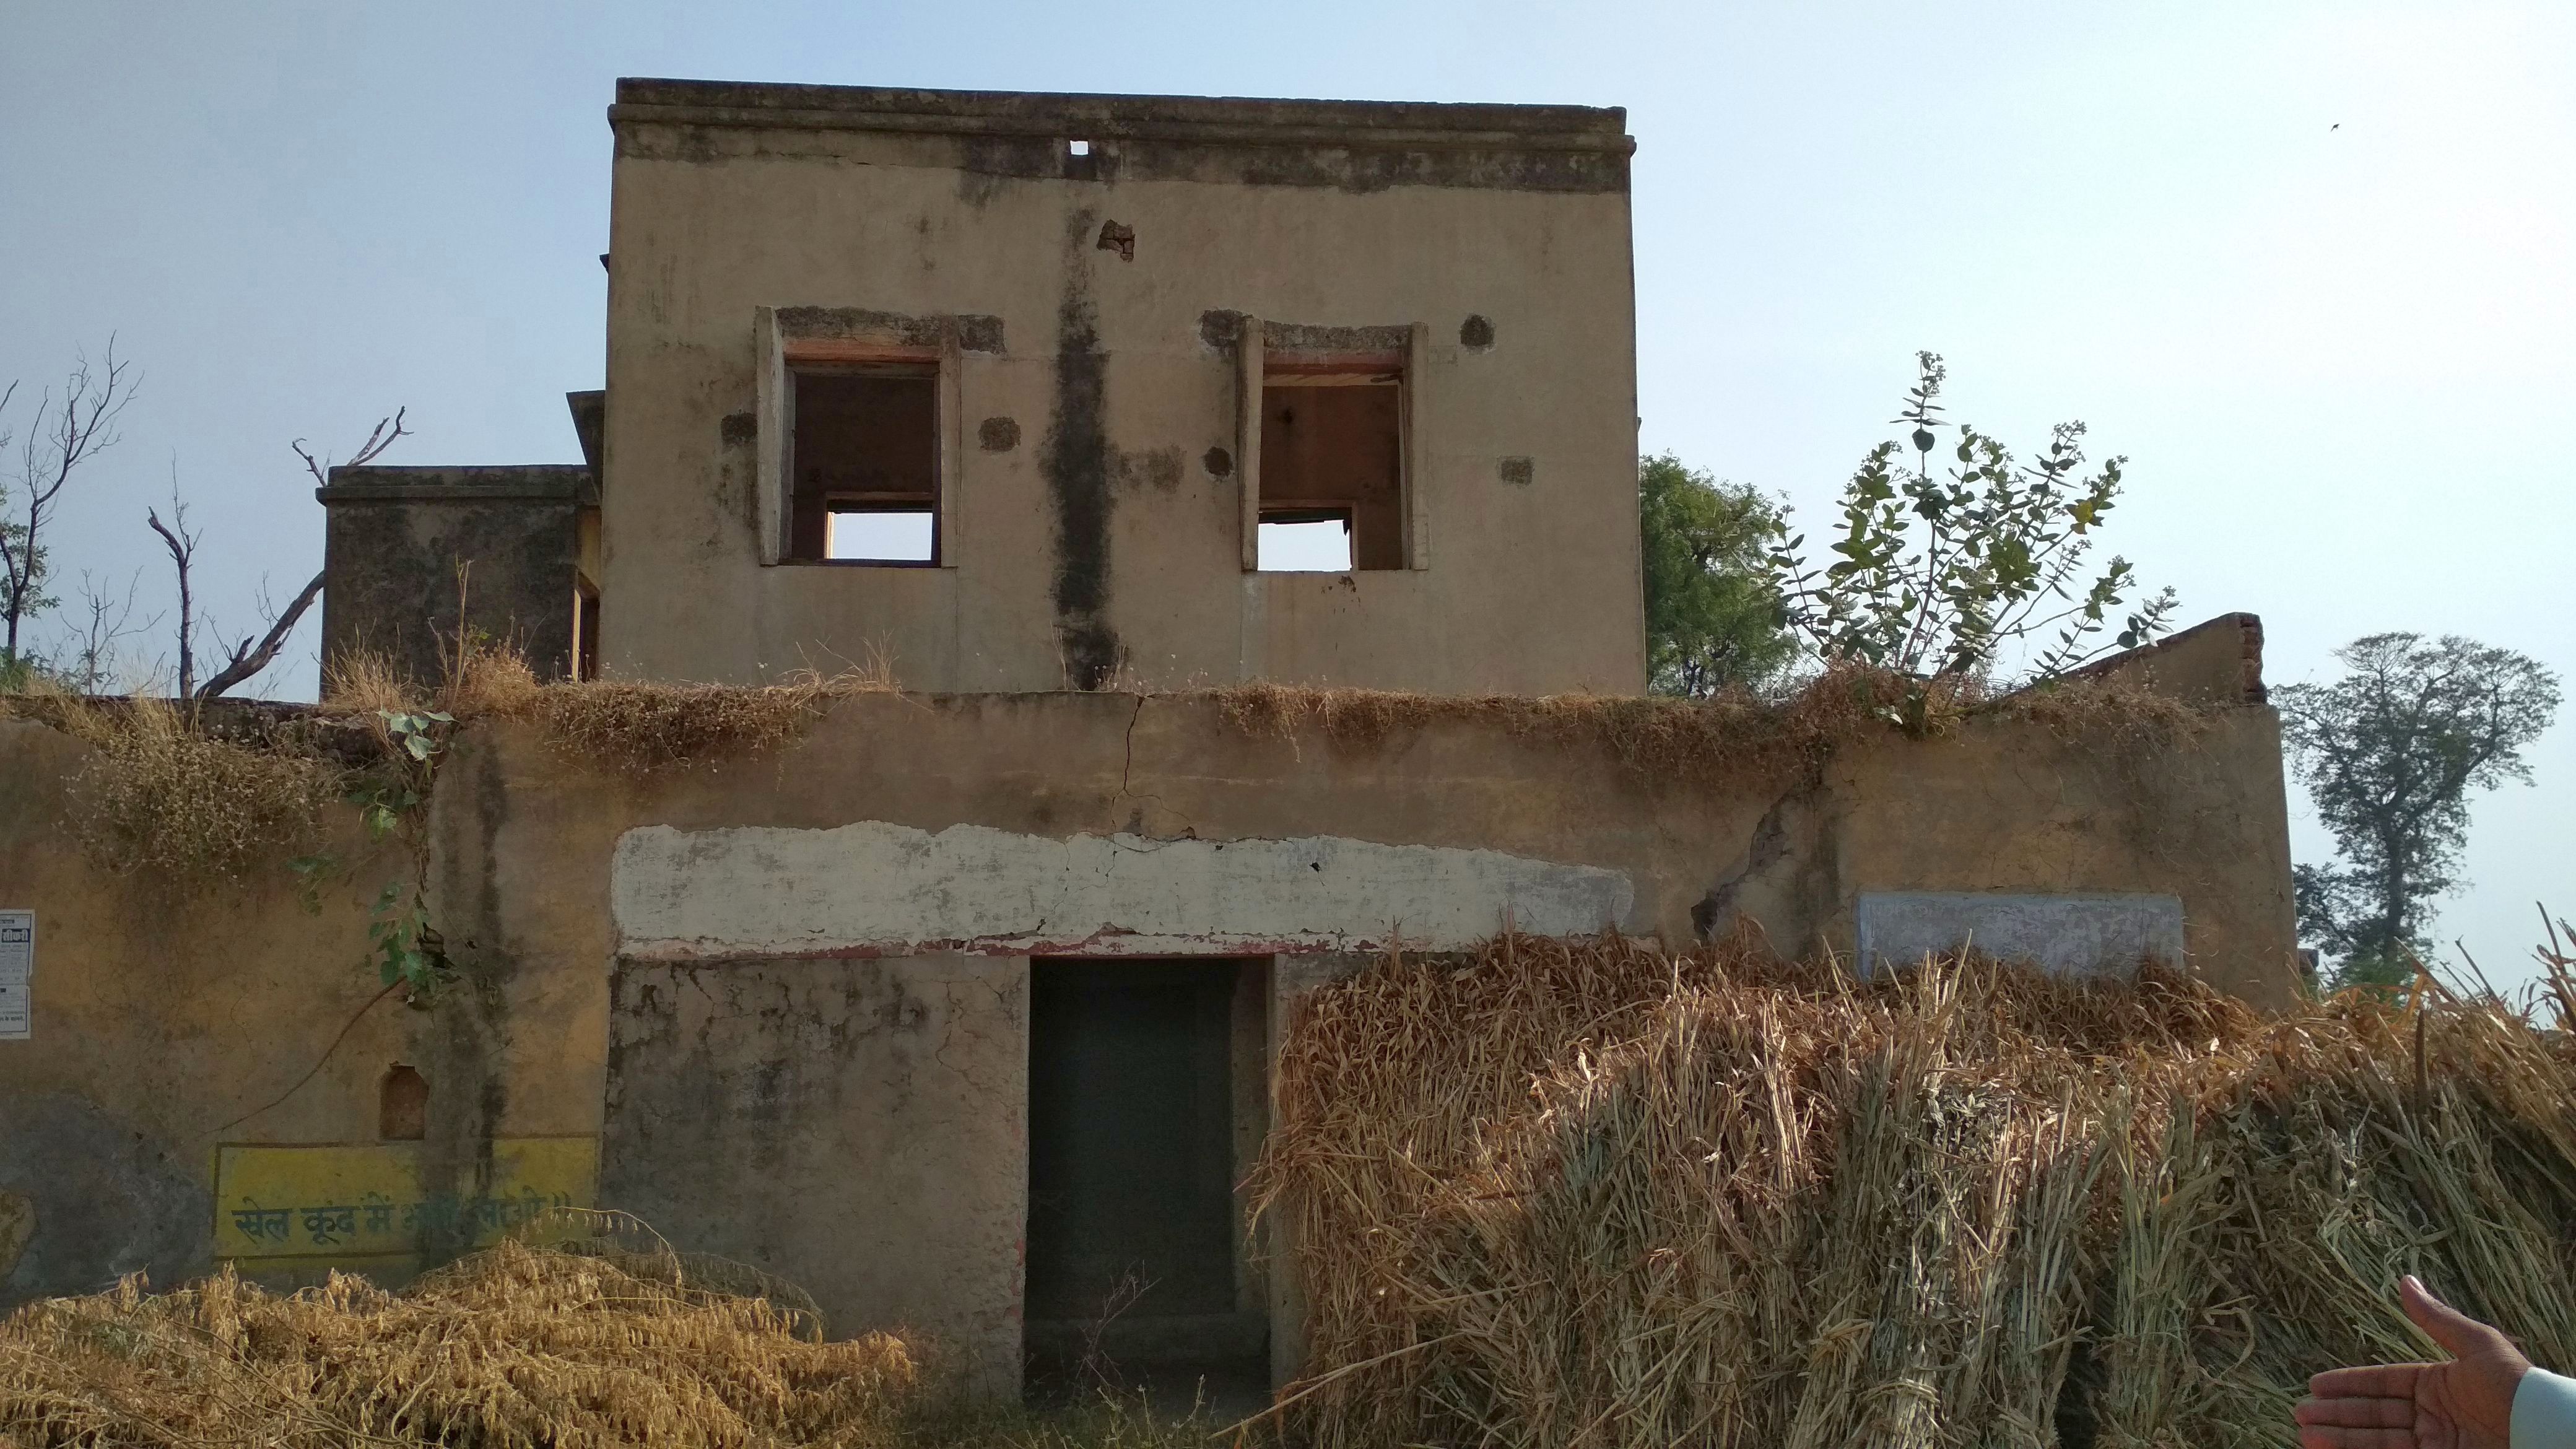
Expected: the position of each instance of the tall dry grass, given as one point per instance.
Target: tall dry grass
(1592, 1195)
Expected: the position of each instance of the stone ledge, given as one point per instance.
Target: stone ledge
(1373, 125)
(559, 482)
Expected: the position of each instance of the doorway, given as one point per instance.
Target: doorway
(1148, 1098)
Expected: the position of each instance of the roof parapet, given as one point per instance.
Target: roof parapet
(1373, 124)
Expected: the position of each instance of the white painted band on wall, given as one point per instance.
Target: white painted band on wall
(874, 888)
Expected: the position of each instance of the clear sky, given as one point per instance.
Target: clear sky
(2312, 267)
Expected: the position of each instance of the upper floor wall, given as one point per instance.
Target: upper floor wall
(1080, 374)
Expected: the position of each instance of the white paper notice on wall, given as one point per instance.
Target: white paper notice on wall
(17, 972)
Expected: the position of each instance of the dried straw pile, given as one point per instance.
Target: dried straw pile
(516, 1346)
(1597, 1196)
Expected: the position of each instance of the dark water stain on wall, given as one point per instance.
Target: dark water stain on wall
(738, 1092)
(1076, 464)
(1156, 468)
(470, 1041)
(107, 1200)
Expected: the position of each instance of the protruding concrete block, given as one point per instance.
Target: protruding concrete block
(397, 538)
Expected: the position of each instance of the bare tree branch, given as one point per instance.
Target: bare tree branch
(246, 660)
(91, 656)
(381, 438)
(183, 552)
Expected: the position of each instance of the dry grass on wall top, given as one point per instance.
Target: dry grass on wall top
(1723, 740)
(196, 807)
(1595, 1195)
(647, 728)
(162, 797)
(2114, 709)
(626, 726)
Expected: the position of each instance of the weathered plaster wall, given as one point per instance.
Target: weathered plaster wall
(859, 1125)
(159, 1018)
(168, 1021)
(1094, 531)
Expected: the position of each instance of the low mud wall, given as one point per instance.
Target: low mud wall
(830, 940)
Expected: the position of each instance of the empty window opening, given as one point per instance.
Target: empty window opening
(402, 1105)
(881, 535)
(865, 460)
(1147, 1103)
(1332, 450)
(1077, 148)
(585, 630)
(1305, 540)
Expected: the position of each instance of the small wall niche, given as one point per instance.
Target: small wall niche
(402, 1104)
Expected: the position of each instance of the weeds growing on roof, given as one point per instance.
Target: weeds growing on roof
(162, 797)
(167, 795)
(1728, 739)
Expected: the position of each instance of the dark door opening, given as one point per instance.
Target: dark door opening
(1147, 1099)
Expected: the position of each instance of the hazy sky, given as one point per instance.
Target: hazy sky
(2312, 267)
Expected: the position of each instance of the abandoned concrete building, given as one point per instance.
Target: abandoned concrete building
(958, 1008)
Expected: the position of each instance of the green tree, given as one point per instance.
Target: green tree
(1937, 571)
(2389, 753)
(1712, 616)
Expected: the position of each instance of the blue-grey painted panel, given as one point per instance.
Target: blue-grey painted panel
(2070, 934)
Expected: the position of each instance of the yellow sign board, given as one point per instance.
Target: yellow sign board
(358, 1202)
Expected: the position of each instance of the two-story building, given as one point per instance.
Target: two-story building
(1017, 392)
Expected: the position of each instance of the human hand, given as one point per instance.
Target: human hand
(2466, 1403)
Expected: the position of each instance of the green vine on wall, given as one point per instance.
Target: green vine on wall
(406, 950)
